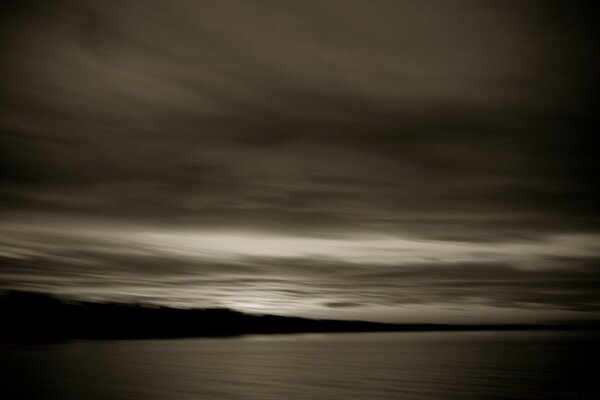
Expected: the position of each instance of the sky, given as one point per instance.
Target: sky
(402, 161)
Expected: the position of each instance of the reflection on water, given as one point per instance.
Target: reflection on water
(471, 365)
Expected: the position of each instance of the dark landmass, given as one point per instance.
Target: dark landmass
(29, 316)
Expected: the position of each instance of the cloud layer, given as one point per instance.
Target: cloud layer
(385, 277)
(467, 126)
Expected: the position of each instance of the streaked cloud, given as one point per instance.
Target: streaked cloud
(255, 272)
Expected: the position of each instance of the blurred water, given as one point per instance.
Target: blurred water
(440, 365)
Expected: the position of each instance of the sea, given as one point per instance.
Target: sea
(336, 366)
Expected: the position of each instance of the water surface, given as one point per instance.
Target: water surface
(436, 365)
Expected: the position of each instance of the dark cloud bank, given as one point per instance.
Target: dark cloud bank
(467, 123)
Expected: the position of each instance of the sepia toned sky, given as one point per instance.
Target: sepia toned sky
(385, 160)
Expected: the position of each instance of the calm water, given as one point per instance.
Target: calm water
(472, 365)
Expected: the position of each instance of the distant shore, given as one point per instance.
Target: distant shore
(30, 316)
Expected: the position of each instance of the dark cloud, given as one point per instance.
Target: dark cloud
(343, 304)
(470, 122)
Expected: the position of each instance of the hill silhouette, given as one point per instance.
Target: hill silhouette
(27, 316)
